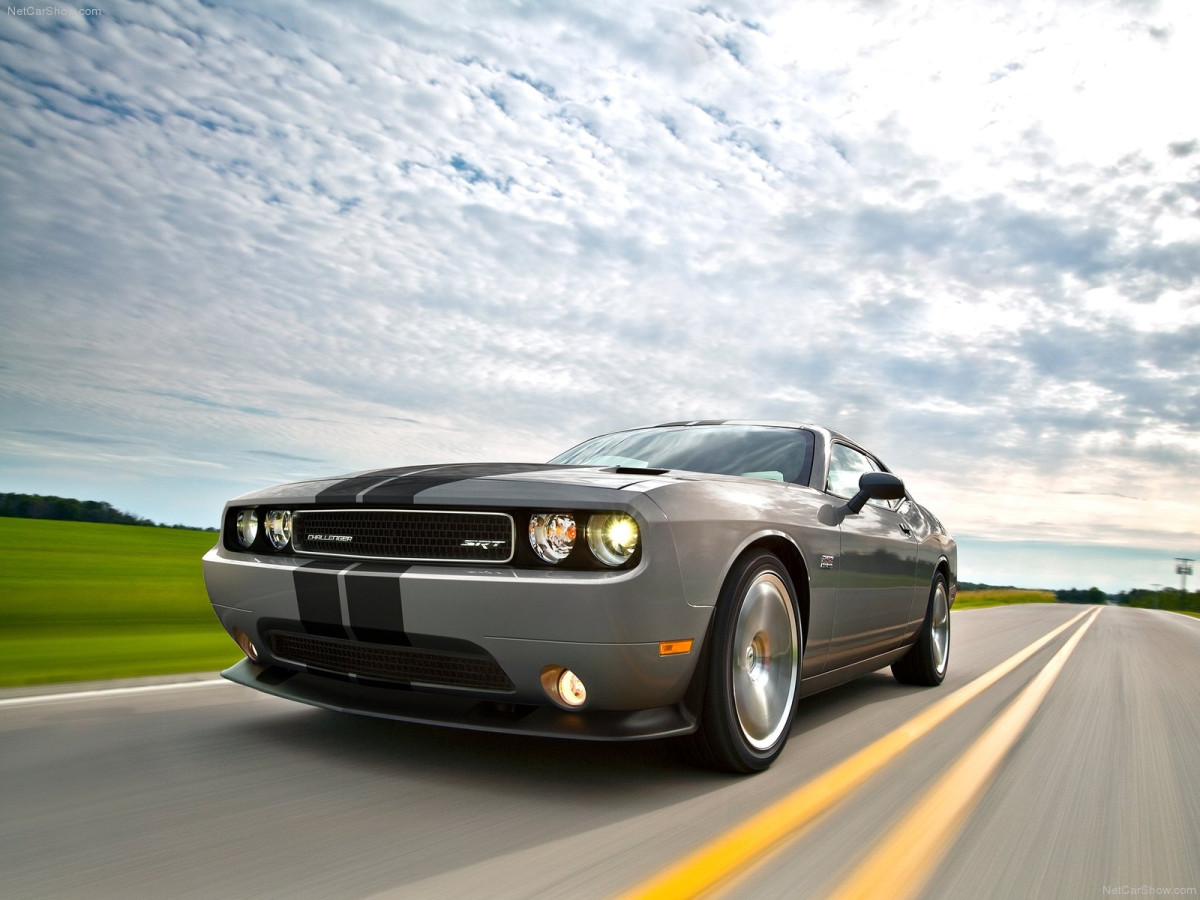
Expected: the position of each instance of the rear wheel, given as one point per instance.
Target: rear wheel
(753, 668)
(926, 662)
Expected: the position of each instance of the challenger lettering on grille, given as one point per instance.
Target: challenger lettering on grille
(405, 535)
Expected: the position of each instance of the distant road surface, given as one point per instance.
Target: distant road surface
(214, 790)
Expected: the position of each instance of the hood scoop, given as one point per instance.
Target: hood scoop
(637, 470)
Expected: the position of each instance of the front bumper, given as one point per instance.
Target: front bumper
(604, 626)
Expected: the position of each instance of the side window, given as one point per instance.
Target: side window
(846, 465)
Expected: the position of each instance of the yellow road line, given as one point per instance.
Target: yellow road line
(902, 864)
(723, 857)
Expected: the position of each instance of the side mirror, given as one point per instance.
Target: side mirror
(875, 486)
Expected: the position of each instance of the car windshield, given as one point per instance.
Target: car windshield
(754, 451)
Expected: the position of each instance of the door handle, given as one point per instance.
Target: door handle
(905, 528)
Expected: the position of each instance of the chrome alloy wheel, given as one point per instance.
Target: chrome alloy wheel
(939, 628)
(765, 660)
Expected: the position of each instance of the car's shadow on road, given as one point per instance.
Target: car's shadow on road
(513, 793)
(522, 763)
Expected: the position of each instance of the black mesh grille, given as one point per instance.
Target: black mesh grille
(408, 535)
(400, 664)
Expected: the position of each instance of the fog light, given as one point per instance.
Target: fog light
(564, 687)
(247, 645)
(570, 689)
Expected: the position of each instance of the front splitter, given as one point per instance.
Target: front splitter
(462, 712)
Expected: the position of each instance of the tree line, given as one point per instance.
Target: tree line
(1166, 598)
(68, 509)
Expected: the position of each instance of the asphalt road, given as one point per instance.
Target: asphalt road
(216, 791)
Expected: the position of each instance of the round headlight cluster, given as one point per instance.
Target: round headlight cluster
(275, 525)
(613, 537)
(247, 527)
(552, 536)
(279, 528)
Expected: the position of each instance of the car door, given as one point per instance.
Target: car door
(876, 566)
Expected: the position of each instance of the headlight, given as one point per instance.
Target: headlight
(613, 537)
(247, 527)
(552, 535)
(279, 528)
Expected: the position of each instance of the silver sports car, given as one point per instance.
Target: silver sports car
(693, 579)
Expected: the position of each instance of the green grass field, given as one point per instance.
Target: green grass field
(80, 601)
(1000, 597)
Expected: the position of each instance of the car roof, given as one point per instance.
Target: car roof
(808, 426)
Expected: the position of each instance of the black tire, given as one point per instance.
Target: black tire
(753, 671)
(926, 662)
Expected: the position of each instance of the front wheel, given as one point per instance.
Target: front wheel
(925, 663)
(753, 668)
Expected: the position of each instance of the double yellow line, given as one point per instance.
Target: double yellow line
(902, 863)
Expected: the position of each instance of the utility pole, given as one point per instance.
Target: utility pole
(1183, 568)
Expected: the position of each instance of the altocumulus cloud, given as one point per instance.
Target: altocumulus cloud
(248, 242)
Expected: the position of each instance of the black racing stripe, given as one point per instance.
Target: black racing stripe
(319, 601)
(403, 490)
(380, 568)
(347, 490)
(376, 613)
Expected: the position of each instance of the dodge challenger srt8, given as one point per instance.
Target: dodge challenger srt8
(693, 579)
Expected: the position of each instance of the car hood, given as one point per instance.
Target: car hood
(468, 483)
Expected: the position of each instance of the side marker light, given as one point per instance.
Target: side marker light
(674, 648)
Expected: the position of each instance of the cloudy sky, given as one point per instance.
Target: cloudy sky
(249, 243)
